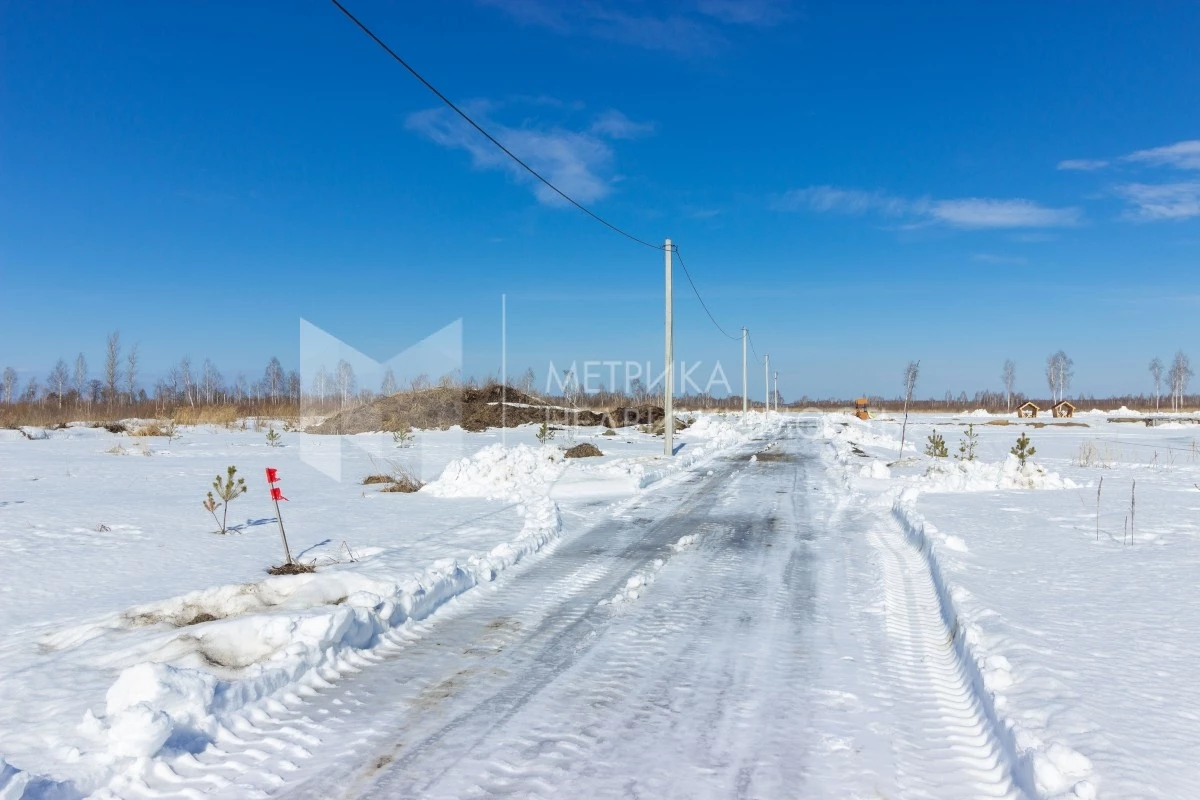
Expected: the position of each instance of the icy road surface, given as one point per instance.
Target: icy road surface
(752, 631)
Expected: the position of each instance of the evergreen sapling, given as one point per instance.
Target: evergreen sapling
(227, 490)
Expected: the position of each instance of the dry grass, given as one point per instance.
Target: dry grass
(48, 415)
(398, 480)
(294, 568)
(153, 429)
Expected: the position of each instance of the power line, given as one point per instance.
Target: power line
(757, 358)
(701, 299)
(487, 135)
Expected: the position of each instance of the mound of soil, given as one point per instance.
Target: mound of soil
(624, 416)
(583, 450)
(475, 409)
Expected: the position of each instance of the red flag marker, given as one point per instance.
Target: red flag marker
(276, 496)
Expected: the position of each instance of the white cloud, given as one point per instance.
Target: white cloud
(1153, 202)
(579, 162)
(844, 201)
(974, 212)
(747, 12)
(615, 125)
(991, 258)
(689, 29)
(1083, 164)
(1181, 155)
(981, 212)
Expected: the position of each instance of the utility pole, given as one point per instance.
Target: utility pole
(745, 401)
(669, 371)
(766, 382)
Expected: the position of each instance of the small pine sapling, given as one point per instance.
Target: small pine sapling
(273, 437)
(1023, 451)
(936, 446)
(966, 447)
(403, 437)
(227, 489)
(545, 433)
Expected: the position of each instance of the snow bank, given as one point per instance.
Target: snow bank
(1052, 768)
(303, 630)
(500, 473)
(981, 476)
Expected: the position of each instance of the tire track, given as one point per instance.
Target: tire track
(949, 748)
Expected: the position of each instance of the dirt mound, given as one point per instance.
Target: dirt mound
(583, 450)
(475, 409)
(624, 416)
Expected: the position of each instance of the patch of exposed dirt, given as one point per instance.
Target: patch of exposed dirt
(441, 407)
(772, 455)
(583, 450)
(295, 568)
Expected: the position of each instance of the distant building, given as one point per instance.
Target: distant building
(1063, 408)
(1028, 409)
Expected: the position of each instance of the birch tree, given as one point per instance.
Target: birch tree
(1156, 372)
(58, 380)
(911, 372)
(81, 372)
(10, 384)
(1009, 376)
(112, 365)
(1059, 371)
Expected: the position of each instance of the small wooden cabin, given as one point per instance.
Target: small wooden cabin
(860, 408)
(1028, 409)
(1063, 408)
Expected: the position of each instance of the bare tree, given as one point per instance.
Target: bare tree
(131, 372)
(210, 380)
(1009, 376)
(345, 381)
(1178, 377)
(10, 384)
(388, 387)
(80, 377)
(320, 384)
(1156, 372)
(30, 395)
(58, 380)
(187, 383)
(112, 365)
(273, 379)
(911, 372)
(1059, 371)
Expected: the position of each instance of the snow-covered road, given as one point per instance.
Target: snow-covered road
(750, 631)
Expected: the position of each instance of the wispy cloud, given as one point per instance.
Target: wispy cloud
(691, 28)
(966, 213)
(615, 125)
(845, 201)
(1181, 155)
(579, 162)
(747, 12)
(991, 258)
(1084, 164)
(1154, 202)
(982, 212)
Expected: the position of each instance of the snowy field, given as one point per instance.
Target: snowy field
(130, 627)
(1076, 599)
(974, 623)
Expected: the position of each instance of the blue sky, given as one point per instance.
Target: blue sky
(860, 184)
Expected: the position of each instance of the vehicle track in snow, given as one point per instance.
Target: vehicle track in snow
(753, 666)
(934, 696)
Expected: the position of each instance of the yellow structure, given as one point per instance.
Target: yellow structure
(860, 408)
